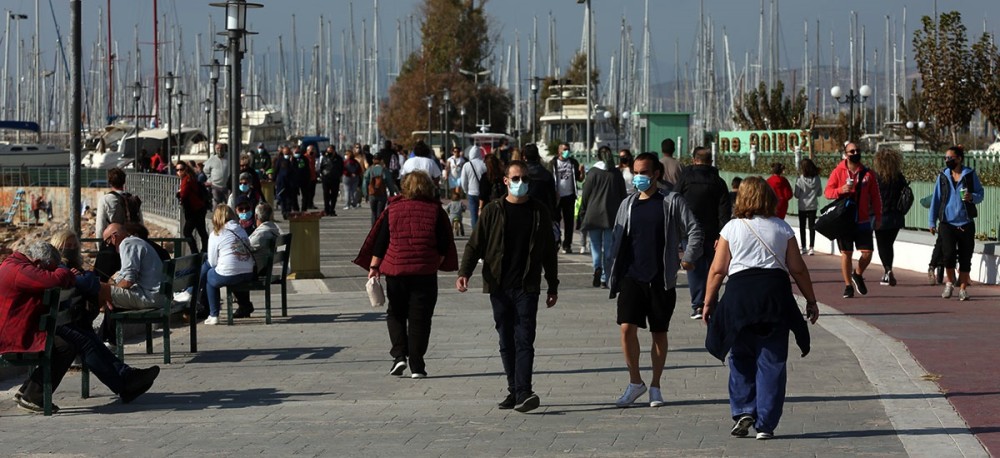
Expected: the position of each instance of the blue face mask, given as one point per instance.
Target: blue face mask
(244, 187)
(245, 216)
(518, 189)
(565, 154)
(641, 182)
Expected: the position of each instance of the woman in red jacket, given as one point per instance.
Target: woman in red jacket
(192, 196)
(409, 243)
(781, 188)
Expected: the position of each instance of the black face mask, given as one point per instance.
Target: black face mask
(854, 158)
(950, 163)
(623, 160)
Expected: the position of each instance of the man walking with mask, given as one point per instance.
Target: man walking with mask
(514, 240)
(567, 172)
(851, 178)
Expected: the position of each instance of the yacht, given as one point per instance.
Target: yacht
(16, 153)
(259, 126)
(564, 119)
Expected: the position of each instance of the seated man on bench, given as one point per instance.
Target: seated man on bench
(261, 240)
(137, 284)
(23, 279)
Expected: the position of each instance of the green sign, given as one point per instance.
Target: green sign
(765, 141)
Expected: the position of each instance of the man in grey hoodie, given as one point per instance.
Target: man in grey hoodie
(472, 175)
(649, 228)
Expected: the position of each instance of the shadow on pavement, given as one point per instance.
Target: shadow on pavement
(367, 317)
(220, 399)
(573, 371)
(275, 354)
(882, 432)
(893, 313)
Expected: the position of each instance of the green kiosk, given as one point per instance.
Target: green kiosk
(655, 127)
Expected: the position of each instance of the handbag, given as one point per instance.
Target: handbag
(840, 217)
(375, 293)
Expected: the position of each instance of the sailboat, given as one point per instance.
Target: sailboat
(18, 154)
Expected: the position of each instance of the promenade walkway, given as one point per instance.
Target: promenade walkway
(315, 383)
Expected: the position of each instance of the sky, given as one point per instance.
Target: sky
(673, 24)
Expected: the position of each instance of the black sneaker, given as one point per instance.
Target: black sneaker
(508, 402)
(892, 279)
(526, 402)
(859, 283)
(597, 277)
(696, 313)
(242, 312)
(139, 381)
(742, 426)
(848, 291)
(31, 406)
(398, 367)
(885, 279)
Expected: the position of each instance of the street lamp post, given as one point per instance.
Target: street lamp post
(136, 95)
(168, 83)
(476, 75)
(851, 98)
(919, 125)
(180, 124)
(534, 109)
(236, 19)
(213, 76)
(447, 126)
(462, 113)
(430, 133)
(206, 106)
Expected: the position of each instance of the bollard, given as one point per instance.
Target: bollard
(267, 188)
(305, 245)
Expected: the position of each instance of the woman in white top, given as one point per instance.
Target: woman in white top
(230, 259)
(752, 320)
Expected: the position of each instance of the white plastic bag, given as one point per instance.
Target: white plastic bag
(375, 293)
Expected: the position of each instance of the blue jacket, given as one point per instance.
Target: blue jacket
(954, 211)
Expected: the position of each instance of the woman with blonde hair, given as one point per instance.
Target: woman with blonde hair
(229, 262)
(751, 322)
(409, 243)
(888, 168)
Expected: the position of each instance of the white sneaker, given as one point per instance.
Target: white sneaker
(655, 397)
(212, 320)
(182, 296)
(632, 392)
(812, 252)
(763, 436)
(948, 288)
(963, 295)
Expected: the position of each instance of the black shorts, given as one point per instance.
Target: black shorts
(861, 239)
(641, 301)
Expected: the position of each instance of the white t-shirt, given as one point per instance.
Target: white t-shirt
(421, 163)
(747, 251)
(565, 178)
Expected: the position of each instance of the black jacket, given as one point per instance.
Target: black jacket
(542, 187)
(708, 198)
(331, 167)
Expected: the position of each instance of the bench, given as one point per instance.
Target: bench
(178, 274)
(47, 323)
(263, 279)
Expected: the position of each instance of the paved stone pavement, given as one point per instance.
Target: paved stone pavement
(315, 383)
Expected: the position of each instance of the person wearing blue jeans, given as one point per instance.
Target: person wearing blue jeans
(758, 374)
(600, 254)
(214, 282)
(603, 192)
(229, 261)
(515, 243)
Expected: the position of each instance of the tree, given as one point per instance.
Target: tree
(761, 109)
(947, 72)
(987, 65)
(917, 109)
(577, 72)
(455, 35)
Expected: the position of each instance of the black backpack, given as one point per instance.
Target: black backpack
(132, 204)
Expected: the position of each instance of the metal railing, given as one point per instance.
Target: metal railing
(158, 193)
(50, 177)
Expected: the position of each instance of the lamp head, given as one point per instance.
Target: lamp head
(865, 90)
(836, 92)
(169, 82)
(909, 124)
(447, 96)
(921, 124)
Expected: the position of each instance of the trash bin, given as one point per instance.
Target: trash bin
(304, 262)
(267, 188)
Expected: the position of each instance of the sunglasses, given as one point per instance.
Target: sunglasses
(518, 179)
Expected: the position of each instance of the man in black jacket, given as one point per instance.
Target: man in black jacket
(331, 169)
(543, 186)
(708, 198)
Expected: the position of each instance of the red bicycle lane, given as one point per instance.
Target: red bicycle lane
(956, 342)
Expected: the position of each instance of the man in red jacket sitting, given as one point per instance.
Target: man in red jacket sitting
(24, 276)
(850, 178)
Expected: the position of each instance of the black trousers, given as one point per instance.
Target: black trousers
(411, 305)
(808, 217)
(567, 206)
(308, 193)
(69, 341)
(194, 220)
(958, 242)
(331, 188)
(885, 239)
